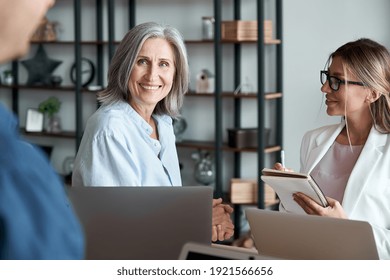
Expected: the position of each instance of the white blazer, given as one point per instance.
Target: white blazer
(367, 194)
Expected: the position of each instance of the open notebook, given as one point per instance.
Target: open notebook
(286, 183)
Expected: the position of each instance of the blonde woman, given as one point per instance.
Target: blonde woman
(351, 160)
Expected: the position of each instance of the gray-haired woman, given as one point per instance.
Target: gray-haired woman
(129, 140)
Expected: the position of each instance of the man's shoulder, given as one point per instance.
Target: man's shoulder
(8, 123)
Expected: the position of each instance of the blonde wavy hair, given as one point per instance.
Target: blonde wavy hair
(369, 61)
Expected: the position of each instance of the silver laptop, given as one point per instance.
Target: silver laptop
(142, 222)
(196, 251)
(294, 236)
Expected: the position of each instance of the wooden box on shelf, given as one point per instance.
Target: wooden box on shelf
(242, 137)
(246, 137)
(241, 30)
(244, 191)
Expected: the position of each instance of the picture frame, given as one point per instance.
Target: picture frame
(34, 120)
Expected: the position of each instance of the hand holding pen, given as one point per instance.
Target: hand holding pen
(281, 165)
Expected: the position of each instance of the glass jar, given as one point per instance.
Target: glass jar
(208, 28)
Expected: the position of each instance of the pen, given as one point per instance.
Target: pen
(282, 158)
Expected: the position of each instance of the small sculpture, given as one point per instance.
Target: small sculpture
(56, 80)
(68, 165)
(179, 126)
(40, 68)
(204, 168)
(205, 82)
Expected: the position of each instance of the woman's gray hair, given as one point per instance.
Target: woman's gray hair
(125, 57)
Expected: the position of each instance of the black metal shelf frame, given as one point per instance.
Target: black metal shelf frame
(261, 97)
(77, 88)
(261, 94)
(218, 96)
(78, 50)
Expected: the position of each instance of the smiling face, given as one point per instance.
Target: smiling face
(348, 99)
(152, 76)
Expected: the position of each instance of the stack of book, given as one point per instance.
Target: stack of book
(244, 191)
(240, 30)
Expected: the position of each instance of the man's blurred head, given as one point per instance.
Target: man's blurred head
(18, 21)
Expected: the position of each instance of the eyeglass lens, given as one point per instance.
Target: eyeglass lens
(334, 83)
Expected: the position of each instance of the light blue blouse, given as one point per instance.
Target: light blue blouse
(117, 150)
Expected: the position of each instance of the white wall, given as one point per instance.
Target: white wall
(312, 30)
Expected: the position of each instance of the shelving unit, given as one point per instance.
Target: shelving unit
(105, 49)
(77, 90)
(261, 97)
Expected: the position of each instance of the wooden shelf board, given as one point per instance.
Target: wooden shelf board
(266, 42)
(50, 88)
(273, 149)
(63, 134)
(267, 204)
(199, 41)
(273, 95)
(209, 145)
(226, 41)
(59, 42)
(251, 95)
(267, 96)
(204, 145)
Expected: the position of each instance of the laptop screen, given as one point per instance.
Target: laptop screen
(297, 236)
(142, 222)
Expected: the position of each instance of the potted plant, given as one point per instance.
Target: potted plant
(49, 108)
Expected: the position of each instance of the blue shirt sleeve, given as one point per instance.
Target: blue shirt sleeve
(36, 219)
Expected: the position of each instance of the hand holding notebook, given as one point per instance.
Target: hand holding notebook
(286, 183)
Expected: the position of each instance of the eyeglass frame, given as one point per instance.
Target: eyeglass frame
(339, 81)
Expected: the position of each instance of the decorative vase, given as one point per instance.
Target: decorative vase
(179, 126)
(204, 168)
(53, 124)
(56, 80)
(68, 165)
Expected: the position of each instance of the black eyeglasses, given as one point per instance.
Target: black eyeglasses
(335, 82)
